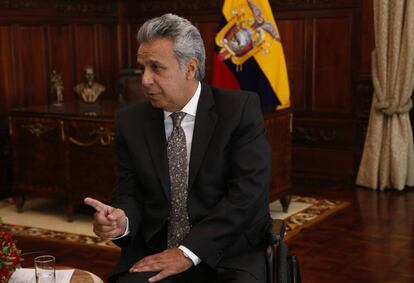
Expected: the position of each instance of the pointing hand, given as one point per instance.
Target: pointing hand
(109, 222)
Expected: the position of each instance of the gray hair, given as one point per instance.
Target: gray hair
(187, 40)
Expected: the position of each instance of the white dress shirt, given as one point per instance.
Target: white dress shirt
(188, 126)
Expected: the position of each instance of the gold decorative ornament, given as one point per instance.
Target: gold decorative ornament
(62, 131)
(56, 87)
(104, 135)
(37, 129)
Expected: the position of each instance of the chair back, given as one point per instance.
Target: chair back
(282, 267)
(129, 86)
(276, 232)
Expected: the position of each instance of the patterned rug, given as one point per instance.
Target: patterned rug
(318, 210)
(304, 212)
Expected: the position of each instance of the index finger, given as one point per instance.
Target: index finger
(96, 204)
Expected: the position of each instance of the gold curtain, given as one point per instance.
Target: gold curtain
(388, 157)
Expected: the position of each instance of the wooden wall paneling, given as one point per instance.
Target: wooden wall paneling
(7, 93)
(90, 164)
(333, 133)
(324, 130)
(36, 36)
(108, 57)
(329, 164)
(7, 80)
(333, 3)
(38, 163)
(61, 57)
(208, 32)
(86, 50)
(122, 46)
(31, 62)
(324, 149)
(187, 8)
(122, 36)
(320, 38)
(278, 135)
(292, 33)
(132, 29)
(366, 35)
(363, 92)
(363, 88)
(331, 81)
(5, 165)
(326, 142)
(309, 54)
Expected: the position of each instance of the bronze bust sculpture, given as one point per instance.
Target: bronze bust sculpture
(89, 90)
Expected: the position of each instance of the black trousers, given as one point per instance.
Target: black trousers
(225, 273)
(197, 274)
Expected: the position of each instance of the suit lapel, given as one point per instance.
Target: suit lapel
(155, 137)
(204, 126)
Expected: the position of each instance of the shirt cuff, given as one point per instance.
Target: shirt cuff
(187, 253)
(126, 233)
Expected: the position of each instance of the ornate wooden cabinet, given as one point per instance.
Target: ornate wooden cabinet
(67, 152)
(63, 152)
(278, 126)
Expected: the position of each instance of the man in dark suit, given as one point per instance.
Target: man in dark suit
(193, 169)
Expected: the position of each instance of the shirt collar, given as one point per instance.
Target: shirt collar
(191, 107)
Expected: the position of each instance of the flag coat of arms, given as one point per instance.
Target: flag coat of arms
(249, 53)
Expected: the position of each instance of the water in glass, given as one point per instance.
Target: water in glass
(45, 276)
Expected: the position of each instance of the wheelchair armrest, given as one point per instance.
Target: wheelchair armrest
(277, 232)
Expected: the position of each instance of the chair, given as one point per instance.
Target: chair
(280, 266)
(129, 86)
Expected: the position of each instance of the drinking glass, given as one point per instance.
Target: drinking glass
(45, 269)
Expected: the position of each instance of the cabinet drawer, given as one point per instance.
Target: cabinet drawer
(37, 154)
(90, 159)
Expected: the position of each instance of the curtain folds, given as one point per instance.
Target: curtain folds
(388, 157)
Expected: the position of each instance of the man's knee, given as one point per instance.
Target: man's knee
(227, 275)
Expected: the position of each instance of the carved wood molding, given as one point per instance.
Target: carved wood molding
(158, 6)
(63, 6)
(284, 3)
(84, 6)
(325, 1)
(313, 135)
(143, 7)
(363, 91)
(18, 4)
(214, 7)
(38, 129)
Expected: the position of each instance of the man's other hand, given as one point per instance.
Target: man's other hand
(109, 222)
(166, 263)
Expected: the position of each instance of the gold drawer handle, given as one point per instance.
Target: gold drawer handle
(104, 136)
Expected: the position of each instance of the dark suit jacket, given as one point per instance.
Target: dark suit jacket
(229, 173)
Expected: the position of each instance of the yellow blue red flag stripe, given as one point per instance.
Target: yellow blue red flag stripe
(249, 54)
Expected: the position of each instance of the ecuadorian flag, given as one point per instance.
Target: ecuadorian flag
(249, 53)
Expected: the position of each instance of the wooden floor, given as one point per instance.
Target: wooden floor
(370, 241)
